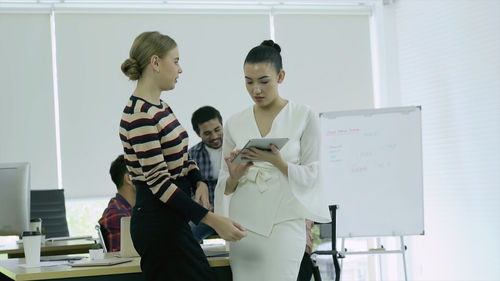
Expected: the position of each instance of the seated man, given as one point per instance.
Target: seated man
(207, 123)
(119, 206)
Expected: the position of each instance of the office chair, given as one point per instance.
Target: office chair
(329, 230)
(49, 205)
(100, 234)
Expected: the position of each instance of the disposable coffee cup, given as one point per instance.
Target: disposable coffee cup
(36, 224)
(32, 247)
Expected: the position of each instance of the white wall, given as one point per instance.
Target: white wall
(447, 59)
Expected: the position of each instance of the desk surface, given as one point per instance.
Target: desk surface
(62, 247)
(11, 269)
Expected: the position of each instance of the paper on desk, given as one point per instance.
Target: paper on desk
(213, 247)
(44, 264)
(63, 238)
(215, 250)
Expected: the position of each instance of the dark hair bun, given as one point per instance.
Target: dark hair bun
(131, 69)
(271, 43)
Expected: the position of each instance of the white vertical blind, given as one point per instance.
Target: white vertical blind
(26, 96)
(327, 60)
(93, 90)
(449, 62)
(92, 44)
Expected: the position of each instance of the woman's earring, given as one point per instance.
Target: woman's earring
(158, 70)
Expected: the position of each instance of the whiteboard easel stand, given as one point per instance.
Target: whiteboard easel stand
(382, 149)
(380, 251)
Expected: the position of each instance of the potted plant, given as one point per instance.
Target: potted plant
(43, 235)
(96, 252)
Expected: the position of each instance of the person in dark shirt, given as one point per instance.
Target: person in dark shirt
(119, 206)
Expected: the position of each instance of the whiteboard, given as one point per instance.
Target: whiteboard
(372, 169)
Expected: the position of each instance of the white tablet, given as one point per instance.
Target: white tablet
(263, 144)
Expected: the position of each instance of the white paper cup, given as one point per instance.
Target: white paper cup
(96, 254)
(32, 247)
(36, 224)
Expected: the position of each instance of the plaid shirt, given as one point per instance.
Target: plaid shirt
(118, 207)
(200, 154)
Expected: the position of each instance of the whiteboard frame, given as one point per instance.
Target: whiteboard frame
(369, 112)
(420, 225)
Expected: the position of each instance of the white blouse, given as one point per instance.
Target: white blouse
(265, 196)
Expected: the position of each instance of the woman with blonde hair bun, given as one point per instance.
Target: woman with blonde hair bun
(155, 146)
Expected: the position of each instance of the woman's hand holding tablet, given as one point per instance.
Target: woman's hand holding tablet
(262, 143)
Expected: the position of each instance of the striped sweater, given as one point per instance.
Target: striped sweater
(155, 146)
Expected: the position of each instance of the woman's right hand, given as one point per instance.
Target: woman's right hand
(236, 171)
(227, 229)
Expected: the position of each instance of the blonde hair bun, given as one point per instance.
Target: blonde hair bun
(146, 45)
(131, 69)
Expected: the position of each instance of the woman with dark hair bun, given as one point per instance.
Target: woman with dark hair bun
(273, 194)
(155, 146)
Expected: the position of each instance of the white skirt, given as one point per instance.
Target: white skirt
(273, 258)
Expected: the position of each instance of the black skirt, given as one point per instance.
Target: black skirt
(164, 240)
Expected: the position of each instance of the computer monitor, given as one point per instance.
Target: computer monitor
(15, 194)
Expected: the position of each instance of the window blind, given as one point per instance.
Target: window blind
(93, 91)
(27, 97)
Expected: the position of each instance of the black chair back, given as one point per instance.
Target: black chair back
(49, 205)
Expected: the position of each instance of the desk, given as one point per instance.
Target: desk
(130, 271)
(63, 247)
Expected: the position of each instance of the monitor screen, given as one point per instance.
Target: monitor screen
(15, 195)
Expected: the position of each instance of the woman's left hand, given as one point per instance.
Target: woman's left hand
(201, 195)
(273, 156)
